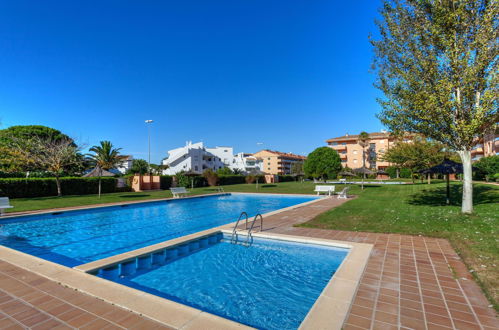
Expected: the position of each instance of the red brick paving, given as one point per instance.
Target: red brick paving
(28, 300)
(410, 282)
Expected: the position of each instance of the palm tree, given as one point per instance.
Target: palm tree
(105, 157)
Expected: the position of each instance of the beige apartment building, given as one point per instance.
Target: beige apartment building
(487, 146)
(351, 152)
(278, 163)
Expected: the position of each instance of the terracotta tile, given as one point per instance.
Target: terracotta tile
(410, 323)
(81, 320)
(48, 325)
(358, 321)
(384, 326)
(361, 311)
(438, 319)
(465, 325)
(386, 317)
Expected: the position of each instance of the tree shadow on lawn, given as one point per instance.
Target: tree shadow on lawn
(134, 196)
(268, 185)
(437, 196)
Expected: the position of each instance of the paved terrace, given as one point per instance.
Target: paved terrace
(407, 284)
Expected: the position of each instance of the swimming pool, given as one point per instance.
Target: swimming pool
(271, 284)
(76, 237)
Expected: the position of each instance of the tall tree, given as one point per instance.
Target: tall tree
(437, 65)
(16, 140)
(323, 162)
(139, 166)
(105, 156)
(362, 140)
(416, 155)
(53, 155)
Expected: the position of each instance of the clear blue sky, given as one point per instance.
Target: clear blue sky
(286, 73)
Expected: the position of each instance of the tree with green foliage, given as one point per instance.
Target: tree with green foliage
(139, 166)
(105, 156)
(416, 155)
(225, 171)
(437, 65)
(489, 166)
(323, 162)
(18, 138)
(362, 140)
(297, 169)
(53, 155)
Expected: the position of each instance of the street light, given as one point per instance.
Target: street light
(149, 121)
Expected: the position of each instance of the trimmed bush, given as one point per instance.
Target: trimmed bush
(165, 182)
(40, 187)
(230, 179)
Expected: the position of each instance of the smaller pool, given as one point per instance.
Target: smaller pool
(271, 284)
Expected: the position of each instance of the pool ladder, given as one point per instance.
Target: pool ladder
(249, 236)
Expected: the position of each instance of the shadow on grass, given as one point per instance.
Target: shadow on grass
(134, 196)
(437, 196)
(268, 185)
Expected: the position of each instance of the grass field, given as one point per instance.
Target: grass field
(417, 209)
(420, 210)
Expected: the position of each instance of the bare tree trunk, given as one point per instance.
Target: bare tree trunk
(397, 170)
(100, 176)
(429, 178)
(99, 185)
(58, 184)
(467, 202)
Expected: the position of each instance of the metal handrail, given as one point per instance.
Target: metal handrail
(234, 231)
(250, 236)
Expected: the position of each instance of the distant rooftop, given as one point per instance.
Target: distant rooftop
(284, 154)
(355, 137)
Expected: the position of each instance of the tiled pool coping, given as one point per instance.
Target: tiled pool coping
(336, 296)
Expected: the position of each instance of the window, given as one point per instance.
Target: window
(195, 168)
(268, 164)
(333, 143)
(355, 152)
(268, 158)
(355, 161)
(268, 169)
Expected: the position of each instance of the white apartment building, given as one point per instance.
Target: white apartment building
(126, 164)
(195, 157)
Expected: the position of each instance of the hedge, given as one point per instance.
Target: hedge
(286, 178)
(40, 187)
(231, 179)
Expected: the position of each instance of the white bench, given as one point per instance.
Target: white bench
(344, 193)
(178, 192)
(324, 189)
(4, 204)
(343, 180)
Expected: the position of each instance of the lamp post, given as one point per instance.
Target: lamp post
(149, 121)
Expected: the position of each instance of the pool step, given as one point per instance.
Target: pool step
(156, 259)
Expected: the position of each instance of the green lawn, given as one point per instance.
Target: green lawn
(420, 210)
(417, 209)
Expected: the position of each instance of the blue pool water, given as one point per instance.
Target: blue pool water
(270, 285)
(78, 237)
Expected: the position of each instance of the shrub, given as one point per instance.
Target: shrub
(211, 177)
(40, 187)
(189, 181)
(230, 179)
(165, 181)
